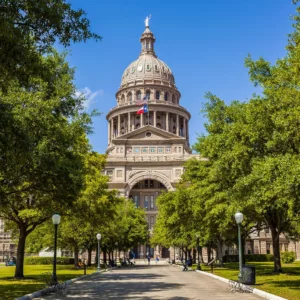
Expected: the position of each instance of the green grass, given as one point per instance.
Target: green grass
(286, 285)
(11, 288)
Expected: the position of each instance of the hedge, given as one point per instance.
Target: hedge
(249, 257)
(36, 260)
(288, 257)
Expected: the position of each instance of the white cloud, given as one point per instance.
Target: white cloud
(89, 96)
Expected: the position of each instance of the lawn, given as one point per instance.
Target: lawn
(286, 285)
(11, 288)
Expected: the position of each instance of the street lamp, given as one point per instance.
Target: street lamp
(56, 221)
(239, 219)
(98, 238)
(198, 250)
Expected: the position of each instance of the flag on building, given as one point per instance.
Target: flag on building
(143, 110)
(143, 101)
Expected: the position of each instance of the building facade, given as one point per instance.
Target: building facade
(146, 151)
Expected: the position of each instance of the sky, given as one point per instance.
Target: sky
(203, 42)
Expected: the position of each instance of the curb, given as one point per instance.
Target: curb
(245, 287)
(50, 289)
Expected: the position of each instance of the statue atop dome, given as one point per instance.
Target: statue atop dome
(147, 21)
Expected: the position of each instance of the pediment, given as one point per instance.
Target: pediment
(149, 133)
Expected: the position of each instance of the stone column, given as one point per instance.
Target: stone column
(108, 131)
(177, 124)
(128, 123)
(142, 120)
(187, 132)
(263, 247)
(119, 125)
(184, 127)
(167, 122)
(154, 118)
(111, 128)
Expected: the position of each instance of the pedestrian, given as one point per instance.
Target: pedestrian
(148, 260)
(157, 259)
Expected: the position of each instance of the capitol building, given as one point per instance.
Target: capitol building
(146, 152)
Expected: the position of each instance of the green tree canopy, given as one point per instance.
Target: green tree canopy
(29, 28)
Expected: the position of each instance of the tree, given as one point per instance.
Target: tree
(29, 28)
(175, 224)
(42, 150)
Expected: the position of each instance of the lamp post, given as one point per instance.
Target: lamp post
(56, 221)
(239, 219)
(198, 250)
(98, 238)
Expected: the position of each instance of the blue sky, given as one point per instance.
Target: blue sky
(203, 42)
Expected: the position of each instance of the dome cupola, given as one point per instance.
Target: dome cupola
(147, 69)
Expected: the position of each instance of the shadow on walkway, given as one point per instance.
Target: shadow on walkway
(121, 286)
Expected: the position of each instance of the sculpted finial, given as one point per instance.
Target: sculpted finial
(147, 21)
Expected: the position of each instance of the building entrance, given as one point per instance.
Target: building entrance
(144, 195)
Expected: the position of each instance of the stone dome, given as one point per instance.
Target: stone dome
(147, 69)
(150, 69)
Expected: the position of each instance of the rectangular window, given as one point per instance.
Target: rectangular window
(109, 173)
(136, 150)
(151, 183)
(152, 202)
(136, 200)
(146, 183)
(152, 149)
(146, 202)
(145, 150)
(160, 150)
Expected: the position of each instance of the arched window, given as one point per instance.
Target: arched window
(157, 95)
(166, 96)
(173, 99)
(148, 95)
(123, 99)
(138, 95)
(129, 97)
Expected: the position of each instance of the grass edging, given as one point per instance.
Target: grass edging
(50, 289)
(255, 291)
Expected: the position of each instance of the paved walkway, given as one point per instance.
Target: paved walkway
(150, 282)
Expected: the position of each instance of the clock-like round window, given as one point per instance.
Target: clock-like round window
(148, 134)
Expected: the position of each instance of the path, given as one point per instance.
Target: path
(150, 282)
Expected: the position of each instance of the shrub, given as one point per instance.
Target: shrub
(36, 260)
(249, 257)
(288, 257)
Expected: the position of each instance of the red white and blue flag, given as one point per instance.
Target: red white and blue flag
(143, 101)
(143, 110)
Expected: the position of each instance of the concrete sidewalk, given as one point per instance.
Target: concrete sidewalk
(150, 282)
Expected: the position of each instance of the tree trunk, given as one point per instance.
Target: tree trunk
(104, 254)
(89, 260)
(76, 252)
(19, 271)
(208, 254)
(201, 255)
(276, 250)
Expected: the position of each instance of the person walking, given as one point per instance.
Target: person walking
(148, 260)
